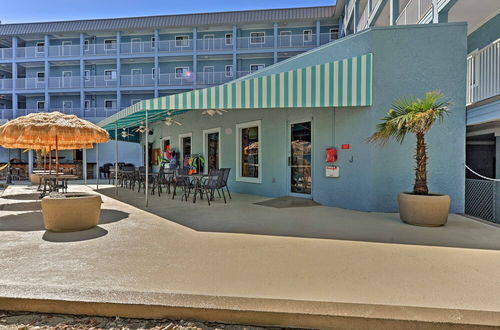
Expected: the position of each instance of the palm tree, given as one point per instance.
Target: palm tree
(409, 115)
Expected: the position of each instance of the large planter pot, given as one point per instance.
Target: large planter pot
(424, 210)
(71, 212)
(35, 179)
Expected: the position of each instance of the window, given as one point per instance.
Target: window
(256, 67)
(229, 71)
(67, 43)
(307, 36)
(228, 39)
(257, 37)
(109, 74)
(40, 47)
(181, 72)
(40, 76)
(165, 144)
(67, 104)
(181, 41)
(40, 105)
(86, 45)
(153, 42)
(86, 105)
(109, 44)
(185, 147)
(334, 34)
(153, 73)
(248, 158)
(211, 149)
(110, 104)
(86, 75)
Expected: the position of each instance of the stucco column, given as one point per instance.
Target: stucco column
(235, 40)
(118, 71)
(47, 72)
(275, 42)
(156, 64)
(30, 161)
(82, 78)
(195, 56)
(14, 77)
(318, 32)
(393, 11)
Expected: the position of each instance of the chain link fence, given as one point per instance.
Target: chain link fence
(480, 198)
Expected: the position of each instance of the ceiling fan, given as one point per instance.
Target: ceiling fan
(125, 133)
(141, 128)
(170, 121)
(212, 112)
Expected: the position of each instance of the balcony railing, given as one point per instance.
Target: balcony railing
(30, 83)
(175, 46)
(30, 52)
(5, 53)
(64, 50)
(6, 114)
(64, 82)
(137, 80)
(99, 112)
(6, 84)
(99, 49)
(99, 82)
(413, 12)
(483, 73)
(137, 47)
(67, 111)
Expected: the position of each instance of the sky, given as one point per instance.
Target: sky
(25, 11)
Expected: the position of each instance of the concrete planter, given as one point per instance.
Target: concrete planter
(71, 212)
(424, 210)
(35, 179)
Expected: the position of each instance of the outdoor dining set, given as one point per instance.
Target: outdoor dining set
(176, 182)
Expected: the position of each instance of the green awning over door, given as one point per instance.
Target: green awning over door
(345, 83)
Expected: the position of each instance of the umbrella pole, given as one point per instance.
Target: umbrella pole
(44, 159)
(147, 158)
(50, 159)
(97, 161)
(57, 163)
(116, 160)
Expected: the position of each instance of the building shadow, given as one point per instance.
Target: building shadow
(23, 197)
(22, 206)
(75, 236)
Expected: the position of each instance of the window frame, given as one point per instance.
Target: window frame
(239, 127)
(38, 45)
(226, 38)
(38, 107)
(106, 44)
(163, 139)
(153, 42)
(232, 71)
(86, 77)
(111, 70)
(110, 100)
(182, 40)
(38, 78)
(181, 149)
(330, 34)
(180, 67)
(67, 101)
(259, 64)
(85, 102)
(310, 33)
(205, 146)
(259, 42)
(86, 45)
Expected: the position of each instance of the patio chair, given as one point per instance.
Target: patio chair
(165, 178)
(104, 170)
(224, 181)
(211, 184)
(140, 178)
(181, 180)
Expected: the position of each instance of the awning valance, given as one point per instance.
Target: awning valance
(345, 83)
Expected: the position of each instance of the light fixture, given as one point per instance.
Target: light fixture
(125, 134)
(169, 121)
(141, 128)
(212, 112)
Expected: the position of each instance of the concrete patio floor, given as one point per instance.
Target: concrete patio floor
(310, 266)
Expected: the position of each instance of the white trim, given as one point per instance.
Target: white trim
(182, 41)
(162, 143)
(209, 66)
(71, 102)
(263, 38)
(40, 44)
(180, 67)
(86, 102)
(37, 102)
(330, 34)
(239, 127)
(263, 66)
(208, 35)
(286, 31)
(153, 73)
(85, 76)
(106, 100)
(205, 146)
(67, 43)
(111, 70)
(105, 45)
(304, 35)
(288, 153)
(135, 69)
(86, 45)
(181, 150)
(153, 42)
(38, 79)
(226, 38)
(232, 70)
(70, 74)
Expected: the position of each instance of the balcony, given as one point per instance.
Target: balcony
(483, 73)
(5, 53)
(30, 83)
(137, 48)
(64, 82)
(137, 80)
(414, 11)
(99, 112)
(5, 84)
(64, 51)
(99, 49)
(175, 46)
(99, 82)
(6, 114)
(30, 52)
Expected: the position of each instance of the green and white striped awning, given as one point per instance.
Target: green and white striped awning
(345, 83)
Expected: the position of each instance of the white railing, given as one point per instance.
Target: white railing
(142, 47)
(255, 42)
(64, 82)
(483, 73)
(30, 52)
(30, 83)
(5, 84)
(350, 8)
(413, 12)
(99, 49)
(99, 112)
(175, 46)
(137, 80)
(64, 50)
(211, 44)
(68, 111)
(363, 20)
(99, 81)
(24, 112)
(5, 53)
(6, 114)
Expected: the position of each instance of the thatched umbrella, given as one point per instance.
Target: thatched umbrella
(49, 131)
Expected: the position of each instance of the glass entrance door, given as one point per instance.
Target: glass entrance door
(300, 159)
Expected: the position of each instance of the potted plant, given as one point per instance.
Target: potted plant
(416, 116)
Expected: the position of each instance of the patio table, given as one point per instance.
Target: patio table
(49, 182)
(196, 182)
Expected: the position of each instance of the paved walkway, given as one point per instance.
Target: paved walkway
(316, 254)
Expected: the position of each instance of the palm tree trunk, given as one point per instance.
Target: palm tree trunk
(420, 187)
